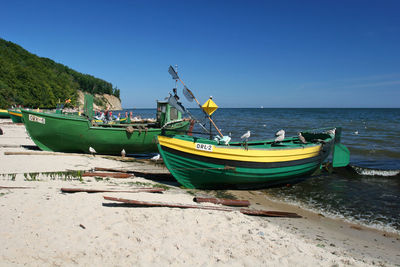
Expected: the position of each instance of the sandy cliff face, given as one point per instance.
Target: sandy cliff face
(100, 102)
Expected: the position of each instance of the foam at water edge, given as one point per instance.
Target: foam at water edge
(351, 219)
(375, 172)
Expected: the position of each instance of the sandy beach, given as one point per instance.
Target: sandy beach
(41, 226)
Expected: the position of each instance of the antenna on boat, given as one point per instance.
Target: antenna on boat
(188, 94)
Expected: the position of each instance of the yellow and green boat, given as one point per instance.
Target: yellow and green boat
(209, 164)
(15, 115)
(4, 113)
(73, 133)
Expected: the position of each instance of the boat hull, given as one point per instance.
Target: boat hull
(15, 115)
(4, 113)
(239, 168)
(69, 133)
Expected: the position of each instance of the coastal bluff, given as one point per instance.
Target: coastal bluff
(101, 101)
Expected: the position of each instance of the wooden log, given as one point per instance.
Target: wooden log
(137, 203)
(152, 175)
(223, 201)
(107, 174)
(137, 190)
(6, 145)
(110, 170)
(15, 187)
(42, 153)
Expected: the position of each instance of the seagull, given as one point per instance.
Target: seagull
(123, 153)
(246, 135)
(92, 151)
(280, 135)
(356, 133)
(332, 131)
(226, 139)
(301, 138)
(156, 157)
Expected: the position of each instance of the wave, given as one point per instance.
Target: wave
(375, 172)
(366, 221)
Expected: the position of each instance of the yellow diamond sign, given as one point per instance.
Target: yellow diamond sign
(209, 107)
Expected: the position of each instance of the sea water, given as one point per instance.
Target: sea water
(373, 138)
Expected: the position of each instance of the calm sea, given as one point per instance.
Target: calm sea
(373, 137)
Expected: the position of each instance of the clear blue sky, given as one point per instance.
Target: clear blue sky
(243, 53)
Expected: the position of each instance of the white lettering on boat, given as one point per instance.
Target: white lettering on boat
(204, 147)
(37, 119)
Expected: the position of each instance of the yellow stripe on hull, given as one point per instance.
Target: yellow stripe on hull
(15, 114)
(241, 154)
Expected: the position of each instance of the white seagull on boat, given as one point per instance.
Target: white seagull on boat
(246, 135)
(280, 136)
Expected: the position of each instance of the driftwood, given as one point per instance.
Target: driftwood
(136, 203)
(6, 145)
(15, 187)
(223, 201)
(151, 175)
(137, 190)
(42, 153)
(110, 170)
(107, 174)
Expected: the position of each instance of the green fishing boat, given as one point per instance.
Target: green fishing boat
(73, 133)
(210, 164)
(15, 115)
(4, 113)
(197, 162)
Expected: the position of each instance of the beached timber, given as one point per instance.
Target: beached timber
(107, 174)
(157, 174)
(137, 203)
(137, 190)
(16, 187)
(223, 201)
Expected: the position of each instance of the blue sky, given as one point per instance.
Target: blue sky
(243, 53)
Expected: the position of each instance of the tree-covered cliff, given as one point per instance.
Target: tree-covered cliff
(32, 81)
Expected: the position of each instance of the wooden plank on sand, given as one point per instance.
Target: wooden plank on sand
(108, 174)
(137, 190)
(137, 203)
(223, 201)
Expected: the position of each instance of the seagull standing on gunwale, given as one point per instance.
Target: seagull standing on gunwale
(301, 138)
(246, 135)
(280, 136)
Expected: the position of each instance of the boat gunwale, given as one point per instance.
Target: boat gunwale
(241, 163)
(119, 127)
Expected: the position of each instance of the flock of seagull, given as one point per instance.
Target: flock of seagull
(279, 137)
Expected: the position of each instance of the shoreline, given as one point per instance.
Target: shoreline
(359, 240)
(42, 226)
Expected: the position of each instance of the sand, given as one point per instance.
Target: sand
(41, 226)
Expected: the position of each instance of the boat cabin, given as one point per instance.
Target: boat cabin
(167, 113)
